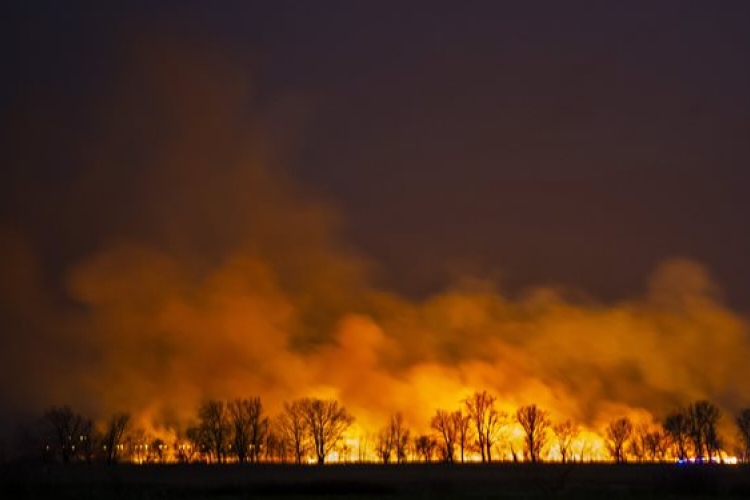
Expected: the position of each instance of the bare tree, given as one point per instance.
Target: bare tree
(425, 446)
(64, 427)
(444, 423)
(249, 428)
(703, 417)
(89, 441)
(159, 448)
(258, 428)
(215, 428)
(513, 453)
(743, 424)
(326, 422)
(239, 419)
(394, 437)
(113, 436)
(137, 445)
(200, 444)
(362, 446)
(676, 427)
(566, 432)
(292, 428)
(400, 435)
(535, 423)
(486, 419)
(655, 444)
(638, 447)
(277, 445)
(584, 450)
(617, 435)
(462, 424)
(184, 449)
(385, 444)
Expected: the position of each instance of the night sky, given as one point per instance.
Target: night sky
(575, 144)
(408, 149)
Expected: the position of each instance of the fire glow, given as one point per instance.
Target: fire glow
(238, 284)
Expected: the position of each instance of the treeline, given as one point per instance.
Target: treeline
(313, 430)
(478, 427)
(239, 429)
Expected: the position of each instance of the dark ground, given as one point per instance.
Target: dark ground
(516, 481)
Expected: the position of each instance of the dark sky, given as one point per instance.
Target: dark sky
(569, 143)
(366, 198)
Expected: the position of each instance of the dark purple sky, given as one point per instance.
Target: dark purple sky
(571, 143)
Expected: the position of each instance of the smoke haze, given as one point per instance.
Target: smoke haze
(180, 262)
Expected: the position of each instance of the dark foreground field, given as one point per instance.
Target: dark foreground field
(514, 481)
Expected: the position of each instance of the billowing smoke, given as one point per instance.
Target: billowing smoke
(193, 267)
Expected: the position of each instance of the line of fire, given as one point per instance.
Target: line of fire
(312, 430)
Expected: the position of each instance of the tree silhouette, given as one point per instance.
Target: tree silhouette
(637, 446)
(743, 424)
(326, 422)
(113, 436)
(617, 435)
(703, 417)
(184, 449)
(385, 443)
(276, 447)
(486, 418)
(677, 428)
(401, 436)
(394, 437)
(160, 448)
(137, 444)
(462, 424)
(535, 423)
(64, 427)
(424, 446)
(655, 444)
(444, 423)
(200, 442)
(249, 428)
(565, 432)
(215, 428)
(362, 447)
(292, 428)
(89, 441)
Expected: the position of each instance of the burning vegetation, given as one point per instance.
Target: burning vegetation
(199, 284)
(313, 430)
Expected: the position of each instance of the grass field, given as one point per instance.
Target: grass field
(515, 481)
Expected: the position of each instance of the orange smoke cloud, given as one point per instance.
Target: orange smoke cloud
(218, 276)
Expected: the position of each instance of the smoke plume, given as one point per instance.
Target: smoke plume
(188, 265)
